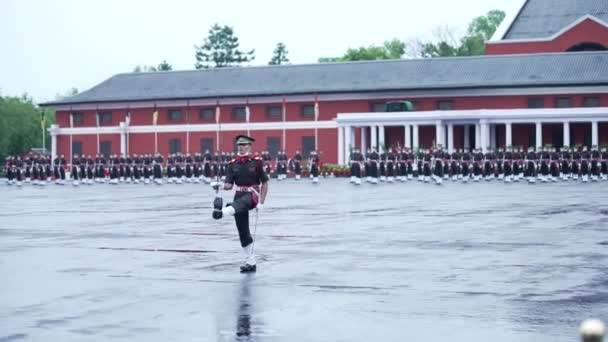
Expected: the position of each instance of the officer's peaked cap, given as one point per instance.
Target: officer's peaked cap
(243, 139)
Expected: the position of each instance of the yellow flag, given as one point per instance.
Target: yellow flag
(155, 116)
(42, 121)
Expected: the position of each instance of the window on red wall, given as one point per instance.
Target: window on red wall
(175, 145)
(591, 102)
(105, 118)
(378, 107)
(536, 102)
(78, 118)
(563, 102)
(76, 147)
(308, 111)
(239, 114)
(175, 115)
(274, 112)
(206, 114)
(445, 105)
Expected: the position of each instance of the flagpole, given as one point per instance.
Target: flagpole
(71, 126)
(217, 128)
(284, 113)
(43, 137)
(155, 119)
(97, 128)
(128, 120)
(247, 114)
(316, 119)
(188, 127)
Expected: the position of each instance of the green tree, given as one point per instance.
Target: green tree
(221, 49)
(163, 66)
(480, 30)
(280, 55)
(393, 49)
(20, 125)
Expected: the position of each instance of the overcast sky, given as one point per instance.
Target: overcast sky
(50, 46)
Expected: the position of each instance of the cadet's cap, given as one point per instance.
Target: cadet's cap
(243, 139)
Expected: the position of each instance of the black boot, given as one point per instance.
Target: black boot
(217, 208)
(248, 268)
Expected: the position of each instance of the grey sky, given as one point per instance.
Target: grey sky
(50, 46)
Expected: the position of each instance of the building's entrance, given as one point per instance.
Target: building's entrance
(308, 144)
(105, 148)
(273, 145)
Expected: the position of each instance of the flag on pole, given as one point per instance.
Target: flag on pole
(97, 119)
(155, 116)
(247, 113)
(316, 108)
(71, 120)
(42, 120)
(217, 113)
(128, 118)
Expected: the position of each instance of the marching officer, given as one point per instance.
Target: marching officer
(247, 173)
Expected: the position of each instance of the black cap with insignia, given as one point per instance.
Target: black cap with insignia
(243, 139)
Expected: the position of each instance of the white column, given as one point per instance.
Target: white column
(485, 135)
(594, 134)
(415, 142)
(477, 136)
(347, 135)
(340, 145)
(450, 138)
(438, 133)
(381, 138)
(467, 137)
(508, 134)
(408, 136)
(566, 134)
(374, 142)
(123, 139)
(363, 140)
(493, 136)
(539, 134)
(53, 131)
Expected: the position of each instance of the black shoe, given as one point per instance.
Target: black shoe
(218, 202)
(217, 208)
(248, 268)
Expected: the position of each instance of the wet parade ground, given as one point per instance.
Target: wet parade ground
(402, 262)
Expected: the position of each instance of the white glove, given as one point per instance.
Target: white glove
(217, 185)
(260, 207)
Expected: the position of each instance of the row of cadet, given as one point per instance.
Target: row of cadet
(148, 168)
(508, 165)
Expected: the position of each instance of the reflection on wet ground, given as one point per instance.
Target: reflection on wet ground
(415, 262)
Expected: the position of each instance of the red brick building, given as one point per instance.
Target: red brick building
(543, 81)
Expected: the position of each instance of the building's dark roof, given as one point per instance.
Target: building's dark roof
(560, 69)
(544, 18)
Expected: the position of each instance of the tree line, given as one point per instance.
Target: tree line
(221, 47)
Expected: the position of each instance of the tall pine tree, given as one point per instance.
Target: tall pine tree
(280, 55)
(221, 49)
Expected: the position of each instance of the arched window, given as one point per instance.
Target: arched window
(587, 46)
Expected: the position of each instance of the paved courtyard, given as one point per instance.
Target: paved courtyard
(407, 262)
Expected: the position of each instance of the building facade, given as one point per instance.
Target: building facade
(544, 81)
